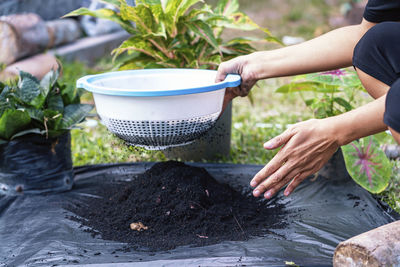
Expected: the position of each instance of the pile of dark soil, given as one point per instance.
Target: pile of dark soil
(173, 204)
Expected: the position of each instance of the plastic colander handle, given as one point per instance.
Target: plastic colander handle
(83, 82)
(232, 80)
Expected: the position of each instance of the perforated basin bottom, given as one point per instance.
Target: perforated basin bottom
(159, 135)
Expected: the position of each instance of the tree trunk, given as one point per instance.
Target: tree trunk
(378, 247)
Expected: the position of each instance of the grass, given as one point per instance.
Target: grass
(253, 123)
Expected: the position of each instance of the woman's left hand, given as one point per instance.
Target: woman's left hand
(305, 148)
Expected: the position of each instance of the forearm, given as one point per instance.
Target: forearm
(363, 121)
(332, 50)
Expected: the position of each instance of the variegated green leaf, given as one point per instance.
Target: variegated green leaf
(148, 2)
(104, 13)
(227, 7)
(30, 91)
(136, 43)
(74, 114)
(174, 10)
(204, 31)
(116, 3)
(49, 80)
(237, 49)
(307, 86)
(338, 77)
(367, 164)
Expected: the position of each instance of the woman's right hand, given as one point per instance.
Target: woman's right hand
(240, 65)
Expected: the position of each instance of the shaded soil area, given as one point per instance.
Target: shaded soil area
(173, 204)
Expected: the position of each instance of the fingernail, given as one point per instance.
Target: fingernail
(267, 195)
(286, 193)
(256, 193)
(253, 183)
(268, 144)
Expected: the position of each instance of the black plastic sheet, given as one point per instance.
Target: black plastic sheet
(33, 164)
(34, 230)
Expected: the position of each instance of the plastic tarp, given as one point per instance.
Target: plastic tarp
(33, 164)
(35, 231)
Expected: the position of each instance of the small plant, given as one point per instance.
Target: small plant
(333, 91)
(178, 33)
(333, 94)
(46, 107)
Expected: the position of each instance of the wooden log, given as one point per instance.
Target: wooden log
(62, 31)
(9, 45)
(27, 34)
(378, 247)
(23, 34)
(37, 65)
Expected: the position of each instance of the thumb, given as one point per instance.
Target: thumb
(279, 140)
(221, 75)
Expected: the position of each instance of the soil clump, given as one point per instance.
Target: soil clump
(174, 204)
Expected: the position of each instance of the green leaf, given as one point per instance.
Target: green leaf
(29, 131)
(299, 86)
(310, 102)
(52, 119)
(367, 164)
(6, 101)
(241, 21)
(13, 121)
(227, 7)
(342, 102)
(141, 15)
(74, 114)
(148, 2)
(36, 114)
(55, 102)
(307, 86)
(49, 81)
(104, 13)
(116, 3)
(237, 49)
(136, 43)
(70, 94)
(177, 8)
(5, 92)
(2, 85)
(29, 90)
(204, 31)
(339, 77)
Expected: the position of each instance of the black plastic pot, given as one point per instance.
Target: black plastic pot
(35, 165)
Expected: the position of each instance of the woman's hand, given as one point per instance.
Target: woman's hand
(246, 68)
(305, 148)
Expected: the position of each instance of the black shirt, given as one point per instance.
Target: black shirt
(382, 10)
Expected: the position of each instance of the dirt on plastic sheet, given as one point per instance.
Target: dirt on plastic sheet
(173, 204)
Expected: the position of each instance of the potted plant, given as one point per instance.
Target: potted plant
(35, 119)
(332, 93)
(182, 34)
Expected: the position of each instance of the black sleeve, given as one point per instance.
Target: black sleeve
(382, 10)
